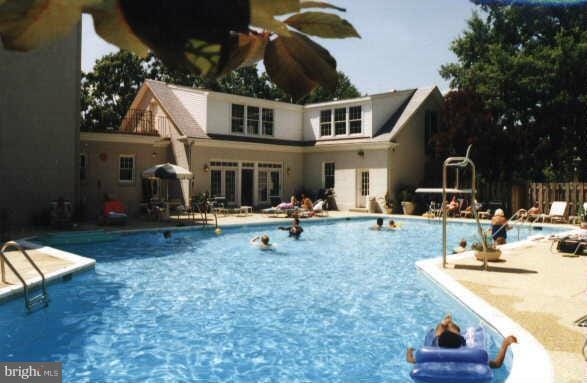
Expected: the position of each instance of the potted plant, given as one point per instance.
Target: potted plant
(406, 195)
(389, 204)
(486, 250)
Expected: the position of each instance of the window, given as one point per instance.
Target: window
(263, 192)
(329, 175)
(238, 118)
(230, 185)
(126, 169)
(268, 122)
(340, 121)
(82, 167)
(326, 123)
(430, 130)
(355, 124)
(252, 120)
(216, 183)
(275, 185)
(365, 183)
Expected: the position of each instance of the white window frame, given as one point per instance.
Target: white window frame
(133, 169)
(360, 119)
(244, 119)
(263, 121)
(324, 173)
(347, 122)
(260, 121)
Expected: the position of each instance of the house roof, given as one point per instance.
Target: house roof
(187, 125)
(175, 109)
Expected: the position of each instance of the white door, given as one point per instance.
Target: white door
(362, 187)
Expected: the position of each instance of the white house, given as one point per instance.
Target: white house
(254, 151)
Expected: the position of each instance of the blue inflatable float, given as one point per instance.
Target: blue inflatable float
(467, 364)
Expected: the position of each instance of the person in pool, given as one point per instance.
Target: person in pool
(392, 225)
(499, 227)
(261, 242)
(295, 230)
(448, 335)
(462, 247)
(378, 226)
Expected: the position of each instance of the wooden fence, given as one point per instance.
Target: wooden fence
(575, 193)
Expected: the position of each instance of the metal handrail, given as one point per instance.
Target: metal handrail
(460, 162)
(4, 259)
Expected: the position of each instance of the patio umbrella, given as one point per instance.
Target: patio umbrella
(168, 172)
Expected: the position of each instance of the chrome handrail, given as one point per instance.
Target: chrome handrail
(4, 259)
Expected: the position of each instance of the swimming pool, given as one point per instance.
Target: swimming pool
(339, 305)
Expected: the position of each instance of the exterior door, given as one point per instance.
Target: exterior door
(362, 187)
(247, 185)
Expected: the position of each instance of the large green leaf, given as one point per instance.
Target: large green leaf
(28, 24)
(111, 25)
(320, 4)
(298, 65)
(322, 24)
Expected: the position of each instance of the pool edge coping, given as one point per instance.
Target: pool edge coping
(79, 264)
(531, 361)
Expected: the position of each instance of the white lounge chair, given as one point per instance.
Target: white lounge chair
(576, 219)
(557, 212)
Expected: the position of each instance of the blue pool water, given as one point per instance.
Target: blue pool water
(339, 305)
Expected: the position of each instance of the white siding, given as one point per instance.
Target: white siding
(385, 106)
(346, 165)
(195, 104)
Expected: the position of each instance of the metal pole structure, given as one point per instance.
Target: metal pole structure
(444, 211)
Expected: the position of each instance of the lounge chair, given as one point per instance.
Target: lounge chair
(318, 209)
(113, 213)
(556, 213)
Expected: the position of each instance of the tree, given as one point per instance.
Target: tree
(527, 66)
(108, 91)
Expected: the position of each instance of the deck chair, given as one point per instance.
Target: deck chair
(556, 213)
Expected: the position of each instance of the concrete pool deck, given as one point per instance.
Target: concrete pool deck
(542, 291)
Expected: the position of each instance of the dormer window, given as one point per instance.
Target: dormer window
(259, 121)
(347, 121)
(340, 121)
(355, 122)
(326, 123)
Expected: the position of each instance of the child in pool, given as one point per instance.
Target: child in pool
(378, 226)
(295, 230)
(262, 242)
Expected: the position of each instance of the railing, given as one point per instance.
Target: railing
(138, 122)
(574, 193)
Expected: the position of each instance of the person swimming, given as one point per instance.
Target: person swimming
(392, 225)
(295, 230)
(261, 242)
(167, 234)
(462, 247)
(448, 335)
(378, 225)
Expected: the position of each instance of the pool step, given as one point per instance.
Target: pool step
(37, 302)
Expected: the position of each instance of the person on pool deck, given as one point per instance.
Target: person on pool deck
(448, 335)
(379, 225)
(499, 227)
(295, 230)
(262, 242)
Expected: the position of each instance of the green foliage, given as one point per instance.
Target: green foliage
(108, 91)
(521, 92)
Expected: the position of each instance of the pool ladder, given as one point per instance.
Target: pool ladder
(40, 300)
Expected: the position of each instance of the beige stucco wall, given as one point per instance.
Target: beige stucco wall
(347, 164)
(407, 161)
(39, 127)
(102, 175)
(202, 155)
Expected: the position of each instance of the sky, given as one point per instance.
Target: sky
(403, 44)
